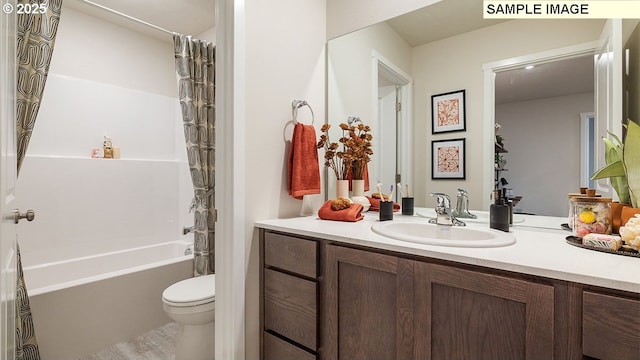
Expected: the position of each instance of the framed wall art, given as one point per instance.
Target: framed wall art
(448, 159)
(448, 112)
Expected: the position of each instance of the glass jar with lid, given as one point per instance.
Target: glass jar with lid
(591, 214)
(570, 196)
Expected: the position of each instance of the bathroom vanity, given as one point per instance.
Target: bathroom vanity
(335, 290)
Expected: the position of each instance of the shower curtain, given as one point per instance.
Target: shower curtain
(36, 34)
(195, 70)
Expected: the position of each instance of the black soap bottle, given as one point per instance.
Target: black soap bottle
(509, 203)
(499, 213)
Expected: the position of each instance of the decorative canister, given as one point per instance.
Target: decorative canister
(591, 215)
(571, 210)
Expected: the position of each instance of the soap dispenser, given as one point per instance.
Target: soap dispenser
(509, 203)
(499, 213)
(107, 148)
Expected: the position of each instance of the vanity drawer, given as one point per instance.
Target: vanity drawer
(291, 254)
(610, 326)
(290, 307)
(278, 349)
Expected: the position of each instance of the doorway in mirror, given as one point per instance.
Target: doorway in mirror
(393, 122)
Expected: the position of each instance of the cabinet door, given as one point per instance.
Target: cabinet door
(368, 306)
(463, 314)
(611, 327)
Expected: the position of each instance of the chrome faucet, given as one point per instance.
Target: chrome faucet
(188, 229)
(444, 215)
(462, 205)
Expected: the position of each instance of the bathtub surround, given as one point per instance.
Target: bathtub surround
(195, 70)
(36, 35)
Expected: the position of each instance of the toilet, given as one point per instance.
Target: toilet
(191, 304)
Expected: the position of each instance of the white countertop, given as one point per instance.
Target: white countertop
(538, 251)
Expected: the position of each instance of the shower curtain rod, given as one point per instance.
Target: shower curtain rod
(127, 17)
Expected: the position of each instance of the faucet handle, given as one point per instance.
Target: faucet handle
(462, 192)
(444, 201)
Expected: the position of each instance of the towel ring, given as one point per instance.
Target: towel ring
(297, 104)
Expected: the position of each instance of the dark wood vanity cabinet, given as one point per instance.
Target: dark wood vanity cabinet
(385, 307)
(324, 300)
(289, 300)
(463, 314)
(368, 299)
(610, 326)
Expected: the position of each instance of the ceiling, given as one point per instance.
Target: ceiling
(454, 17)
(189, 17)
(558, 78)
(441, 20)
(431, 23)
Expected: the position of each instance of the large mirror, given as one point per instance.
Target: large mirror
(448, 47)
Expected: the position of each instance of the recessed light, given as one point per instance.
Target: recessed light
(529, 67)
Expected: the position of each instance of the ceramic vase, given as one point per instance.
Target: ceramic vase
(616, 215)
(342, 189)
(358, 194)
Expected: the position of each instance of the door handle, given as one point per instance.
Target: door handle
(29, 215)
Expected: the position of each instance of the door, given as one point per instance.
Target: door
(608, 93)
(392, 137)
(387, 160)
(368, 299)
(464, 314)
(8, 173)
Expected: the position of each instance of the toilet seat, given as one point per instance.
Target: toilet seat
(191, 292)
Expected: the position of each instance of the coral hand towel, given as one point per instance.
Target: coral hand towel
(304, 170)
(375, 204)
(353, 213)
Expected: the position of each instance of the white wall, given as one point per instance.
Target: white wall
(208, 35)
(543, 140)
(285, 60)
(351, 84)
(456, 63)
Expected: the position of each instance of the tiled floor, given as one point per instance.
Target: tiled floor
(157, 344)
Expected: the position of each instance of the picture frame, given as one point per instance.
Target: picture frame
(448, 112)
(448, 159)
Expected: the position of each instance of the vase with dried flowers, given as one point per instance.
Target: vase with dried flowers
(359, 151)
(349, 157)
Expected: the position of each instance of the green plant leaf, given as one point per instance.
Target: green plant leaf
(616, 138)
(612, 152)
(621, 186)
(631, 161)
(611, 170)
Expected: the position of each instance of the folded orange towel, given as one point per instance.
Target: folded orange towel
(304, 170)
(375, 204)
(353, 213)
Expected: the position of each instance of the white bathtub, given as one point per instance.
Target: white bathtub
(83, 305)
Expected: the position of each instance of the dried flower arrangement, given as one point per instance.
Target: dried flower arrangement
(355, 153)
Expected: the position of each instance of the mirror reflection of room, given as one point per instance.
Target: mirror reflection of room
(448, 46)
(538, 108)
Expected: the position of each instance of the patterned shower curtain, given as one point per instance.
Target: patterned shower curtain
(36, 34)
(195, 70)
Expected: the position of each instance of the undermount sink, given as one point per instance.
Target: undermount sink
(442, 235)
(483, 217)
